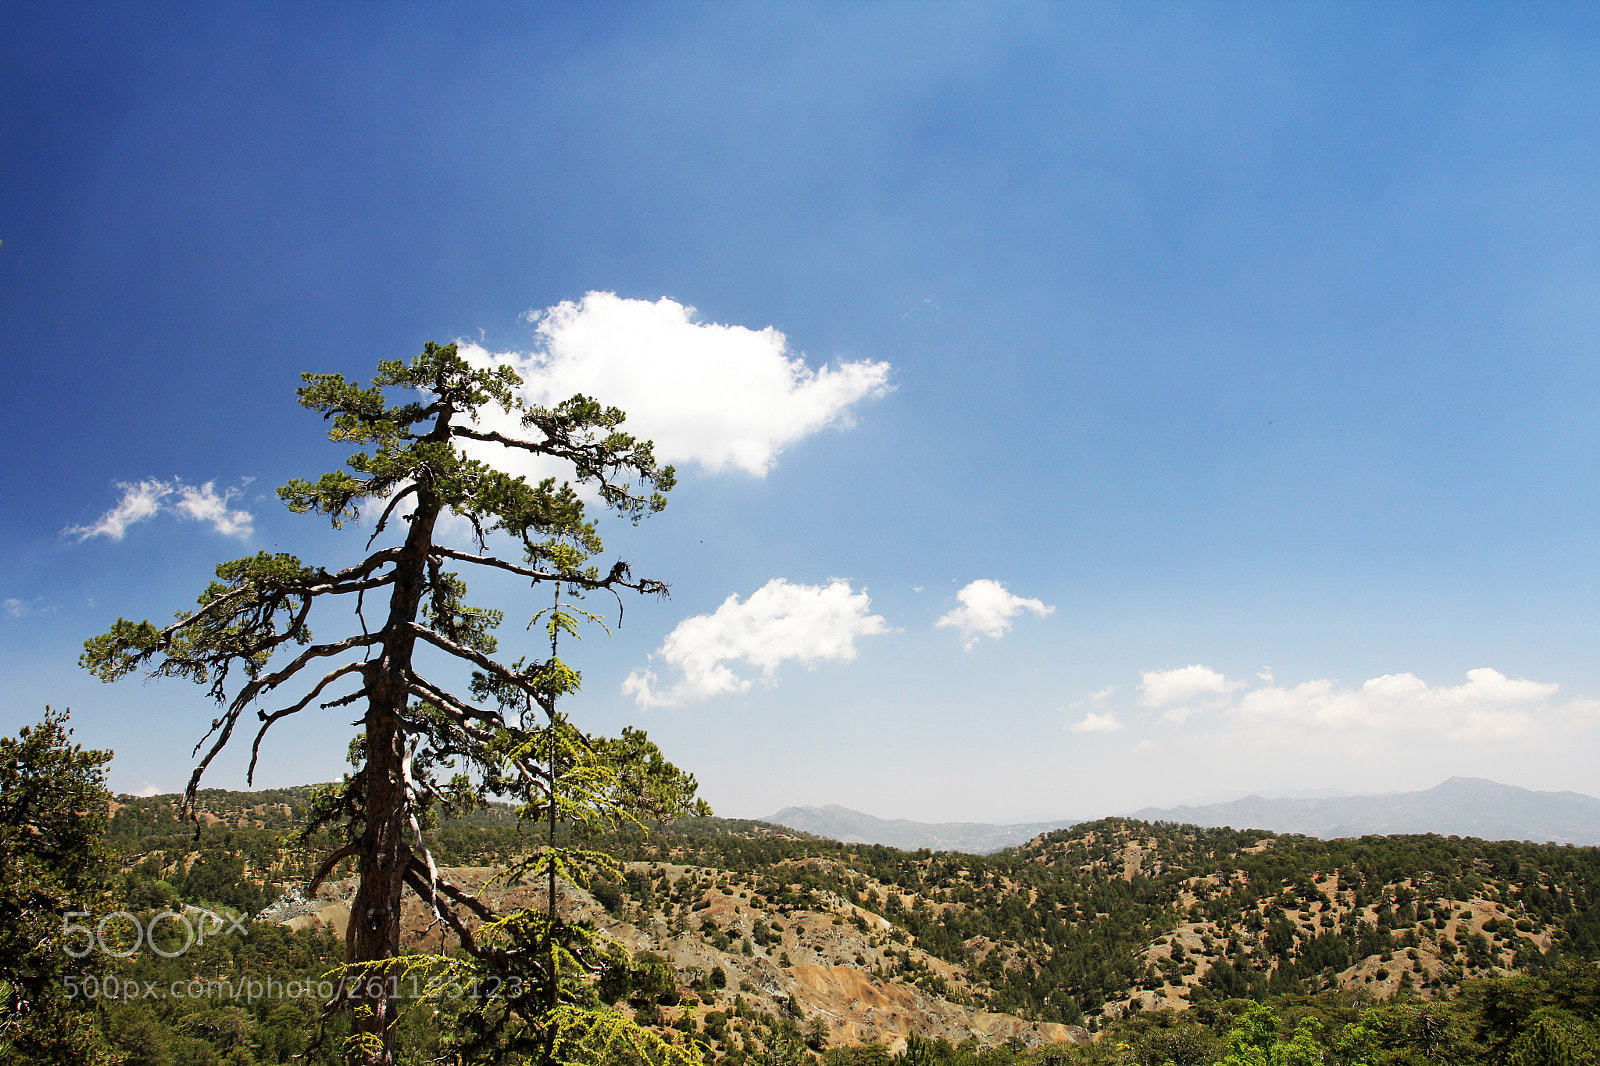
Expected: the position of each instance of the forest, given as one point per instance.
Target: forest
(1111, 941)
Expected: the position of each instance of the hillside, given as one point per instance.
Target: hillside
(1461, 806)
(1079, 927)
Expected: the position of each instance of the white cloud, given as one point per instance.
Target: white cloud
(1097, 697)
(149, 497)
(780, 621)
(1488, 707)
(147, 791)
(986, 611)
(1164, 688)
(716, 395)
(139, 502)
(1096, 723)
(204, 505)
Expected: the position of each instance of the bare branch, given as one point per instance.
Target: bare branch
(328, 864)
(364, 567)
(344, 581)
(267, 720)
(227, 722)
(491, 437)
(255, 688)
(617, 578)
(415, 878)
(261, 685)
(344, 588)
(416, 827)
(463, 897)
(461, 713)
(383, 519)
(276, 639)
(460, 651)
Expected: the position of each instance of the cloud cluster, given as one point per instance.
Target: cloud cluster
(779, 622)
(722, 397)
(1488, 707)
(987, 610)
(145, 499)
(1181, 690)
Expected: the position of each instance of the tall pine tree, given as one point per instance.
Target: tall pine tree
(493, 726)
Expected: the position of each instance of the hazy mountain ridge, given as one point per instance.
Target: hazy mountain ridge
(1461, 806)
(853, 827)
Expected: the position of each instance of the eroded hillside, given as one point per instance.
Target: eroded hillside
(754, 932)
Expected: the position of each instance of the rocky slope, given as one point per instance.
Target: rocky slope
(832, 960)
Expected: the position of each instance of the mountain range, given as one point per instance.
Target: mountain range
(853, 827)
(1461, 806)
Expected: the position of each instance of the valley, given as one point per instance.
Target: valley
(748, 937)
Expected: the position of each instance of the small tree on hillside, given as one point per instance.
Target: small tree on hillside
(53, 811)
(498, 731)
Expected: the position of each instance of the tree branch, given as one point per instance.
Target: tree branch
(250, 692)
(271, 681)
(410, 785)
(616, 578)
(477, 658)
(267, 720)
(328, 864)
(383, 519)
(462, 713)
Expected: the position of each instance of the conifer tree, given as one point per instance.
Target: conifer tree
(53, 865)
(493, 726)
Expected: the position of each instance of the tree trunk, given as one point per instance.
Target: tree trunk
(374, 930)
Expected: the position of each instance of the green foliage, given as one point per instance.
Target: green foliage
(52, 862)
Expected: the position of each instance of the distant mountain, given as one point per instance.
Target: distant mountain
(853, 827)
(1461, 806)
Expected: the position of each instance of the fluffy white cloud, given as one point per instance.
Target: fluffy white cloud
(987, 610)
(1165, 688)
(718, 396)
(1096, 723)
(1488, 707)
(147, 498)
(202, 504)
(780, 621)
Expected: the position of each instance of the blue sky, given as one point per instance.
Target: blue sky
(1224, 377)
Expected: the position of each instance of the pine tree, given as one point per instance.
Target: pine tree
(497, 732)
